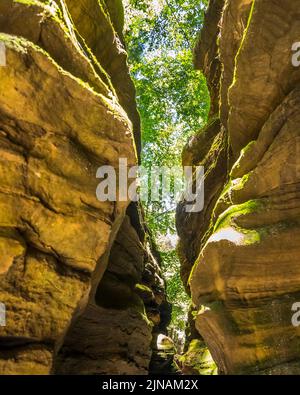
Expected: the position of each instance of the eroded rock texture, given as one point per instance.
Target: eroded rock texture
(67, 106)
(244, 245)
(114, 335)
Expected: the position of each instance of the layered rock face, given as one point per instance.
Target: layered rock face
(240, 255)
(67, 106)
(114, 335)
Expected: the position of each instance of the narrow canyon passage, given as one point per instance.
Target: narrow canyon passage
(199, 283)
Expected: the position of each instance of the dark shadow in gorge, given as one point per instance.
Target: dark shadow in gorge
(117, 333)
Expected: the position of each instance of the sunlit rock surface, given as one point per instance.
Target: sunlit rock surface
(67, 106)
(244, 246)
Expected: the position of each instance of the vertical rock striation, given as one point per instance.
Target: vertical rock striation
(67, 106)
(245, 243)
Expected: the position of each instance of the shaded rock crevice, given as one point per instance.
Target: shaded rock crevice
(114, 334)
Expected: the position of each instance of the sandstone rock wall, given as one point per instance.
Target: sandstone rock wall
(114, 334)
(67, 106)
(240, 255)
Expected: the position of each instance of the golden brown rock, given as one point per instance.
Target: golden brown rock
(114, 334)
(245, 279)
(67, 106)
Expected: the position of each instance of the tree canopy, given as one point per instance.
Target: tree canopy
(173, 102)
